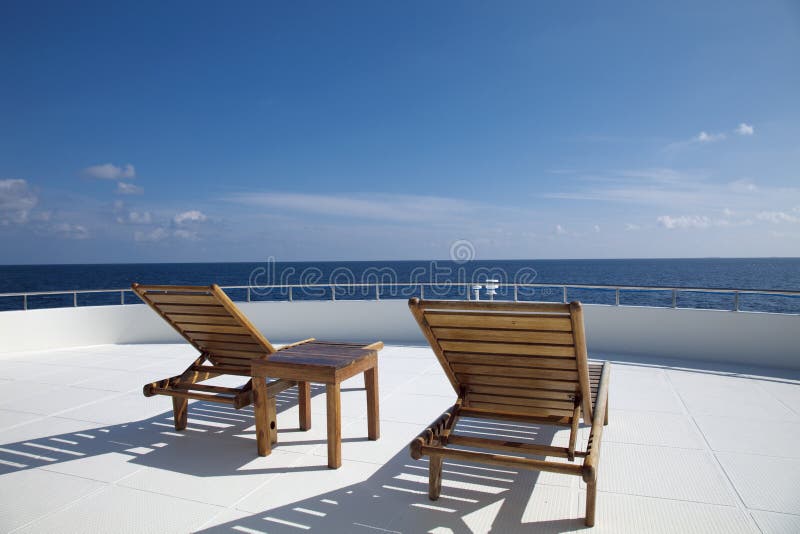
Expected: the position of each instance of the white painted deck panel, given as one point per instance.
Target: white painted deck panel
(81, 450)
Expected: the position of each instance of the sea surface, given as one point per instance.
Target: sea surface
(402, 279)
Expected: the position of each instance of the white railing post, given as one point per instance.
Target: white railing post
(122, 297)
(25, 302)
(74, 299)
(377, 291)
(735, 301)
(248, 293)
(616, 297)
(674, 298)
(565, 295)
(516, 293)
(333, 293)
(290, 293)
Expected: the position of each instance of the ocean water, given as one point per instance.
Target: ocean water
(758, 273)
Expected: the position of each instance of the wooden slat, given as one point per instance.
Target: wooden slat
(211, 329)
(520, 401)
(166, 298)
(518, 382)
(243, 354)
(223, 338)
(182, 319)
(523, 410)
(521, 372)
(222, 369)
(559, 351)
(503, 416)
(508, 336)
(233, 361)
(520, 392)
(520, 361)
(216, 346)
(481, 306)
(193, 309)
(503, 321)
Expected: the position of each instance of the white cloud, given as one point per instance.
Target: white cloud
(124, 188)
(596, 228)
(560, 230)
(705, 137)
(157, 234)
(776, 217)
(743, 186)
(745, 129)
(135, 217)
(189, 216)
(385, 207)
(630, 227)
(185, 234)
(69, 230)
(109, 171)
(16, 202)
(684, 221)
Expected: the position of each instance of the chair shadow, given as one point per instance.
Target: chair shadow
(218, 440)
(475, 498)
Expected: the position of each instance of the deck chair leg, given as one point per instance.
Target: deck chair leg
(180, 408)
(591, 501)
(435, 477)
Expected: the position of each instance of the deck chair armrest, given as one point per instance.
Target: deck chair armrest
(436, 431)
(596, 434)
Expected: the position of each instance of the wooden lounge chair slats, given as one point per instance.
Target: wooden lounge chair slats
(523, 362)
(226, 340)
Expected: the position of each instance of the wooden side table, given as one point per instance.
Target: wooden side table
(324, 362)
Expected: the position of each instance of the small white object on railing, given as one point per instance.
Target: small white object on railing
(477, 289)
(491, 287)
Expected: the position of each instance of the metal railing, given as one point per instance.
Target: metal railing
(409, 289)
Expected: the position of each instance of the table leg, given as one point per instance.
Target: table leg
(334, 401)
(304, 404)
(373, 410)
(261, 408)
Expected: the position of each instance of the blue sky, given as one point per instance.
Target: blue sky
(178, 131)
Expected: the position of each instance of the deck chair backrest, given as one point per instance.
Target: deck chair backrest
(210, 321)
(519, 358)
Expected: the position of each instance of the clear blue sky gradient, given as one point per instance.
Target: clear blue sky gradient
(378, 130)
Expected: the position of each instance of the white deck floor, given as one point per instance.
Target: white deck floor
(81, 450)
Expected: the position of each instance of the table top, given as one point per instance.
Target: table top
(317, 361)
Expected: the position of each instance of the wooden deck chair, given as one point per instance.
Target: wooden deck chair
(522, 362)
(227, 342)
